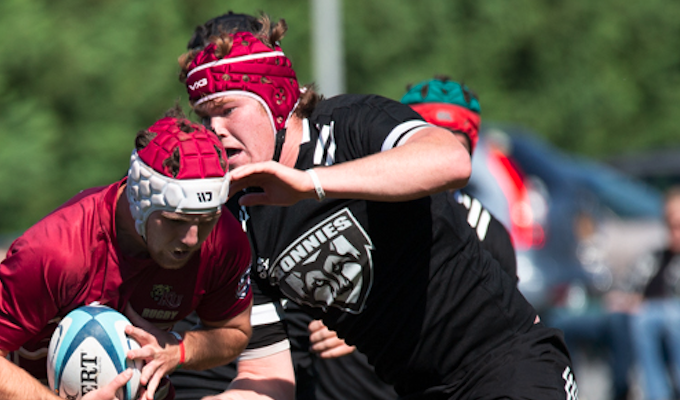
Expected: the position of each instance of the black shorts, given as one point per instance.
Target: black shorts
(533, 366)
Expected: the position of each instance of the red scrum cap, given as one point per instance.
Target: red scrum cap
(250, 68)
(200, 184)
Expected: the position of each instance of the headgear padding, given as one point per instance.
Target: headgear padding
(453, 117)
(201, 184)
(448, 104)
(250, 66)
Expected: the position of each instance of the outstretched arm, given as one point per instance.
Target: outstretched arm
(16, 383)
(431, 161)
(267, 378)
(216, 343)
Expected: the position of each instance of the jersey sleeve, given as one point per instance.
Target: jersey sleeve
(372, 124)
(32, 289)
(269, 331)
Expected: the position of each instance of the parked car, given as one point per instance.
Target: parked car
(659, 168)
(566, 215)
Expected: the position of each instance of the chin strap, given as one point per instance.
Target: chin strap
(278, 145)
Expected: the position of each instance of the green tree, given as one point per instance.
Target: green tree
(79, 78)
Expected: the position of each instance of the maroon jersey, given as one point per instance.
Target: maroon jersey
(71, 258)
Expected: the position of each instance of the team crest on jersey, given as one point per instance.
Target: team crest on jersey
(165, 297)
(330, 265)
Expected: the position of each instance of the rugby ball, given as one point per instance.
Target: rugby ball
(87, 351)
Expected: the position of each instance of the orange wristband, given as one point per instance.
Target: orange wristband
(182, 353)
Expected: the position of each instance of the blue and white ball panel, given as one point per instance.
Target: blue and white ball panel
(87, 351)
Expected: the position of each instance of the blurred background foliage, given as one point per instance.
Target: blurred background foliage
(79, 77)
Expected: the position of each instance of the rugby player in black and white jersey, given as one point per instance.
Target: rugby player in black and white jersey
(340, 372)
(351, 220)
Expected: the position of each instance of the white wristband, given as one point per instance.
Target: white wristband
(320, 194)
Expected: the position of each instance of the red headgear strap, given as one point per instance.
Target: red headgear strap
(250, 66)
(199, 158)
(453, 117)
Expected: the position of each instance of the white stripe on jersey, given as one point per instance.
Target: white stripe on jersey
(463, 199)
(264, 314)
(483, 224)
(324, 152)
(306, 135)
(402, 132)
(473, 212)
(478, 216)
(250, 354)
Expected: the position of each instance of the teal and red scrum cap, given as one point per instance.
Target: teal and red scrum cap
(448, 104)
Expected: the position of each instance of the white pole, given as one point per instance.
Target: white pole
(328, 47)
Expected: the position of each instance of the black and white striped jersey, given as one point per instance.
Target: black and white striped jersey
(408, 283)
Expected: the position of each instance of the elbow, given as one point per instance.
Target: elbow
(460, 174)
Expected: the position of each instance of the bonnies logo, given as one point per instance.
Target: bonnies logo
(330, 265)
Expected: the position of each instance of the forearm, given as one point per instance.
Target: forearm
(16, 383)
(431, 163)
(212, 347)
(269, 378)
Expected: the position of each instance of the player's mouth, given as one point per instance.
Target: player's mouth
(181, 254)
(233, 152)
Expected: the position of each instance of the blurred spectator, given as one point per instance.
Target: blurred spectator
(655, 326)
(600, 325)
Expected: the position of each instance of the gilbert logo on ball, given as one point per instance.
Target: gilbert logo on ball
(87, 351)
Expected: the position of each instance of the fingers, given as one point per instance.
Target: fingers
(332, 348)
(143, 353)
(149, 371)
(120, 380)
(319, 332)
(316, 325)
(326, 342)
(108, 392)
(152, 386)
(140, 335)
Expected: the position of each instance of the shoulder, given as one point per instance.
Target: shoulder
(360, 103)
(61, 238)
(43, 264)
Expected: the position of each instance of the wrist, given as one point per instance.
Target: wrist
(320, 193)
(182, 350)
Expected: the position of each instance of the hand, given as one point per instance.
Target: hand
(159, 351)
(283, 186)
(108, 392)
(326, 342)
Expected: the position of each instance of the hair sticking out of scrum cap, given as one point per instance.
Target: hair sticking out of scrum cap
(225, 23)
(446, 103)
(250, 68)
(197, 184)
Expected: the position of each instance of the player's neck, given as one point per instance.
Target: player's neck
(291, 146)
